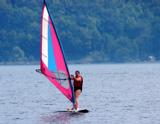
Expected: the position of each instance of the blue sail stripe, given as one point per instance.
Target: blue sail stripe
(51, 58)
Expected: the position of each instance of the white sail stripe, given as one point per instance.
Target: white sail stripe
(45, 13)
(44, 37)
(45, 34)
(44, 19)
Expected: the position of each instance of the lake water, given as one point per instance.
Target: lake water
(114, 94)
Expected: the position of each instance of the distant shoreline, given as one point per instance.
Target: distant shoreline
(73, 62)
(19, 63)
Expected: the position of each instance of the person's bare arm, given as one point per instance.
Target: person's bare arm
(78, 79)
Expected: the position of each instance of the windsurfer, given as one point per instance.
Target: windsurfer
(78, 83)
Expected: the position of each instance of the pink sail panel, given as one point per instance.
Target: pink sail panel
(66, 91)
(59, 55)
(52, 62)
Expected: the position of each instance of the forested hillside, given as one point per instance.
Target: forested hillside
(89, 30)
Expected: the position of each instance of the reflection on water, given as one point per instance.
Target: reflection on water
(60, 117)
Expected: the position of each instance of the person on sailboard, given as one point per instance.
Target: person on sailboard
(78, 83)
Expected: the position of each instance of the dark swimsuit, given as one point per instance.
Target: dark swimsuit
(78, 85)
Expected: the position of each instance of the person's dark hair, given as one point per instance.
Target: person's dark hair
(77, 72)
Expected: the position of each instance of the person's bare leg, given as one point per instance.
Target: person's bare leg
(77, 94)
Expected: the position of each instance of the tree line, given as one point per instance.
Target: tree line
(89, 30)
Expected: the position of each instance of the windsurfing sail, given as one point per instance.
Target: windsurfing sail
(52, 60)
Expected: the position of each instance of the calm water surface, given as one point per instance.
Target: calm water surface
(114, 94)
